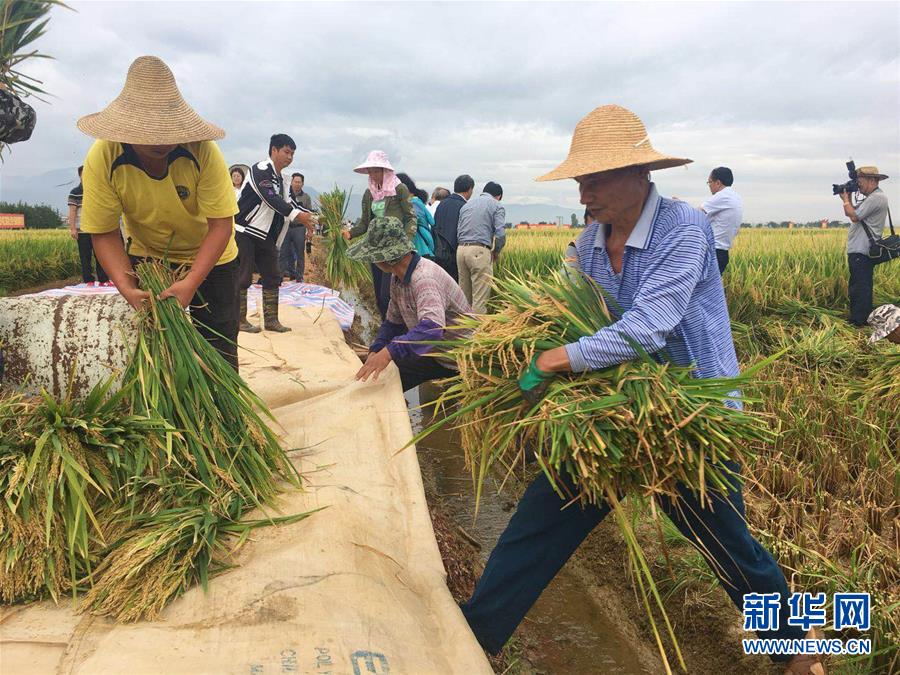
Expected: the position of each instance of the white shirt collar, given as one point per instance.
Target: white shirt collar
(640, 235)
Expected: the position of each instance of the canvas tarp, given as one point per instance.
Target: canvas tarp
(357, 588)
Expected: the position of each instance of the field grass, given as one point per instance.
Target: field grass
(32, 257)
(824, 497)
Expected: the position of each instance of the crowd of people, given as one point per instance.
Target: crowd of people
(156, 165)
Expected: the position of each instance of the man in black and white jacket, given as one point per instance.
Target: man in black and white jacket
(260, 229)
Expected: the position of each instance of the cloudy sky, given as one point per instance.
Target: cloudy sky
(783, 93)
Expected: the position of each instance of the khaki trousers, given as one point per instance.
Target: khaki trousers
(476, 270)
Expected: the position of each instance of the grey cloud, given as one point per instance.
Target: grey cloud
(781, 92)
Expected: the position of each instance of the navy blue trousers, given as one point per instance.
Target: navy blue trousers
(542, 535)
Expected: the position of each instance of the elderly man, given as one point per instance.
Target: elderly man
(867, 222)
(656, 257)
(481, 234)
(424, 300)
(156, 167)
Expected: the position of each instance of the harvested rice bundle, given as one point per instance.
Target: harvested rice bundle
(221, 437)
(340, 270)
(140, 493)
(183, 541)
(60, 462)
(639, 428)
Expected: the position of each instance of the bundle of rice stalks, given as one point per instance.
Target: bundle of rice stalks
(60, 462)
(639, 428)
(169, 549)
(340, 271)
(221, 438)
(139, 494)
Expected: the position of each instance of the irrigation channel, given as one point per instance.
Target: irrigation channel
(580, 636)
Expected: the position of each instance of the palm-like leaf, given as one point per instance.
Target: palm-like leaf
(21, 23)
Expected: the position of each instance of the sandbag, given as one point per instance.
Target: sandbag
(358, 588)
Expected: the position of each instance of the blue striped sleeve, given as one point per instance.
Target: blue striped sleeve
(676, 265)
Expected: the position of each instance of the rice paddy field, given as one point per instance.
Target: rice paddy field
(33, 257)
(824, 495)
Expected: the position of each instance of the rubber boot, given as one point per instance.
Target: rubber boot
(270, 311)
(245, 325)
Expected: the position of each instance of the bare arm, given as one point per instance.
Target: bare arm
(73, 211)
(849, 211)
(211, 249)
(110, 251)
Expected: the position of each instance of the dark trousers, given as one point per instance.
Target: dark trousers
(418, 369)
(449, 266)
(292, 259)
(86, 253)
(722, 259)
(862, 271)
(261, 254)
(214, 309)
(542, 535)
(382, 284)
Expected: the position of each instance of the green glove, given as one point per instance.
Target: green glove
(534, 381)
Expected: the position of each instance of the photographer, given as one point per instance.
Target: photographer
(871, 212)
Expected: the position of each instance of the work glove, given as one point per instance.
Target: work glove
(533, 382)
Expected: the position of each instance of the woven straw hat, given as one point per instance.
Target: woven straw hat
(149, 111)
(870, 172)
(610, 137)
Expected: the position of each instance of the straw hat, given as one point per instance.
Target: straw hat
(610, 137)
(149, 111)
(870, 172)
(377, 159)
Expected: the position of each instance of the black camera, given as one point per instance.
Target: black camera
(851, 185)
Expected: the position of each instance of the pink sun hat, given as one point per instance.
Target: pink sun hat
(377, 159)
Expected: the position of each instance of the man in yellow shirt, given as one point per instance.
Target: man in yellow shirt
(156, 166)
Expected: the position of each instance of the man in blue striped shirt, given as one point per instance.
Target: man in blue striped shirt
(657, 258)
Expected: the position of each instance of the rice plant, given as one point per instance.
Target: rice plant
(340, 270)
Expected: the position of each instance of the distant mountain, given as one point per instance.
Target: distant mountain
(53, 188)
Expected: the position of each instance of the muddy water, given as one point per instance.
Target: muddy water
(580, 636)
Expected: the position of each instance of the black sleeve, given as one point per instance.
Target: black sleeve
(262, 181)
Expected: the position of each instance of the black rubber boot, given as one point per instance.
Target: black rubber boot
(245, 325)
(270, 312)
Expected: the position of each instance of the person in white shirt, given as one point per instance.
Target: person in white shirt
(437, 196)
(725, 210)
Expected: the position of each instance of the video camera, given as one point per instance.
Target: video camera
(851, 185)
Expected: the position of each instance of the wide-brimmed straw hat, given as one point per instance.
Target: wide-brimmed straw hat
(610, 137)
(377, 159)
(386, 239)
(149, 111)
(885, 320)
(243, 168)
(870, 172)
